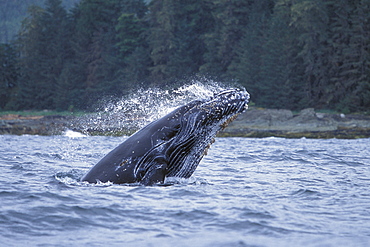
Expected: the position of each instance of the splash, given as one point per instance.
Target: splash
(128, 114)
(73, 134)
(150, 104)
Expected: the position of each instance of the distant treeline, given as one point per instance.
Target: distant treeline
(12, 12)
(287, 53)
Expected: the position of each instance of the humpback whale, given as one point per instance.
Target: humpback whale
(171, 146)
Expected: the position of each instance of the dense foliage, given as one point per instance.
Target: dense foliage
(12, 12)
(287, 53)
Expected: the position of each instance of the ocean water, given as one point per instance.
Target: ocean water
(245, 192)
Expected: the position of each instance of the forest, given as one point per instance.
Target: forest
(290, 54)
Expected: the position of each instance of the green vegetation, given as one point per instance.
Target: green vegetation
(289, 54)
(12, 12)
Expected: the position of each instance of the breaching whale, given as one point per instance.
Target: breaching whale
(171, 146)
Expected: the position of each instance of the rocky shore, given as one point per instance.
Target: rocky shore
(33, 125)
(258, 122)
(255, 122)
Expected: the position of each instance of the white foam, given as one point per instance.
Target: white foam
(73, 134)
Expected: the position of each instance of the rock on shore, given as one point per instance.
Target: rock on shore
(255, 122)
(33, 125)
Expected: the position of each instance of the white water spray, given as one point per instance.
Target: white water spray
(136, 110)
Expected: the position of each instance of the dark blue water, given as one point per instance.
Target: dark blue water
(246, 192)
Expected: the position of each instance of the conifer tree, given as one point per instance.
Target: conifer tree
(43, 46)
(175, 37)
(133, 49)
(310, 21)
(9, 73)
(161, 37)
(275, 84)
(246, 65)
(355, 70)
(99, 49)
(193, 20)
(231, 18)
(30, 49)
(58, 51)
(348, 87)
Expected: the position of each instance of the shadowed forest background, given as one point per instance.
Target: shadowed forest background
(293, 54)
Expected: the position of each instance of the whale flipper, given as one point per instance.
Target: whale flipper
(156, 174)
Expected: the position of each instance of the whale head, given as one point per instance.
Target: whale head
(173, 145)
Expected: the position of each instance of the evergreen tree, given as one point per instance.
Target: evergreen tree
(134, 51)
(98, 46)
(276, 60)
(43, 43)
(31, 45)
(176, 37)
(12, 12)
(360, 96)
(348, 88)
(58, 50)
(231, 18)
(193, 20)
(9, 73)
(246, 66)
(161, 37)
(310, 21)
(355, 70)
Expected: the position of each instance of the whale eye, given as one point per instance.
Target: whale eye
(173, 131)
(166, 133)
(177, 126)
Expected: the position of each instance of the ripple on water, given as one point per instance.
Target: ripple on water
(245, 192)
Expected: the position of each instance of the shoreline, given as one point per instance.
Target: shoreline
(255, 122)
(258, 122)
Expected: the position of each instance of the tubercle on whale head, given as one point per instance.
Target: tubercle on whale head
(223, 105)
(232, 96)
